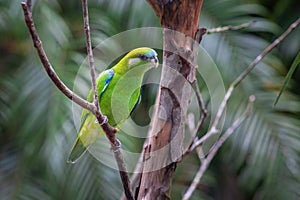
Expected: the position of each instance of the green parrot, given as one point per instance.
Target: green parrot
(118, 95)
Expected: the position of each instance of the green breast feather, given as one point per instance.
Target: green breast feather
(119, 93)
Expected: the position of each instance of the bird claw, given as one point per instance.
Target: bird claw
(116, 148)
(104, 121)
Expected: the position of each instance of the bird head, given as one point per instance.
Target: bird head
(142, 56)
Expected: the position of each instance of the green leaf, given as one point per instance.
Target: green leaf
(288, 77)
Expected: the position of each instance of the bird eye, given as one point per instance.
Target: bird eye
(143, 57)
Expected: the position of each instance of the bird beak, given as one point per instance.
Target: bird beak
(154, 62)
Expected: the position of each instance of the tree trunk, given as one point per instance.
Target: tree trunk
(165, 145)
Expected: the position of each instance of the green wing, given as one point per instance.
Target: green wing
(89, 130)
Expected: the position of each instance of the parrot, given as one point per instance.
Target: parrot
(119, 93)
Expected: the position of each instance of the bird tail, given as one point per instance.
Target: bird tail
(77, 151)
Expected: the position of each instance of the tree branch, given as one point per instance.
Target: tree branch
(191, 124)
(202, 31)
(201, 105)
(230, 28)
(90, 51)
(37, 43)
(205, 162)
(213, 130)
(29, 5)
(93, 108)
(200, 153)
(265, 52)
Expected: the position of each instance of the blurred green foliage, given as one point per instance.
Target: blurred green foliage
(260, 161)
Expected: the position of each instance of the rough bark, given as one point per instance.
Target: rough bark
(164, 147)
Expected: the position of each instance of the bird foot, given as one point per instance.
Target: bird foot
(104, 120)
(117, 147)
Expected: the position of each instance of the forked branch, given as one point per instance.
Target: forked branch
(205, 162)
(37, 43)
(200, 33)
(213, 130)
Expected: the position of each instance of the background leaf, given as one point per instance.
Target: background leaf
(288, 76)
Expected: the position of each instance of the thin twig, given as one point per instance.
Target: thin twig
(201, 105)
(216, 147)
(47, 65)
(203, 109)
(29, 5)
(202, 31)
(200, 154)
(90, 51)
(192, 128)
(230, 28)
(213, 130)
(123, 174)
(115, 144)
(265, 52)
